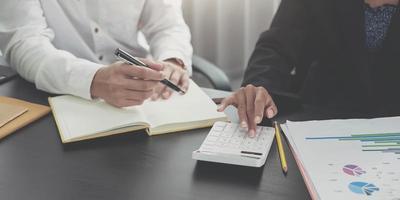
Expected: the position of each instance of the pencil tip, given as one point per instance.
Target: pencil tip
(285, 170)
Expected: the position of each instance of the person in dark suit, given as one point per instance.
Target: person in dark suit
(337, 53)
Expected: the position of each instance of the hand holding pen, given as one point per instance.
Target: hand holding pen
(115, 85)
(129, 59)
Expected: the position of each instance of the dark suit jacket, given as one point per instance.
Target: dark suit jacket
(316, 48)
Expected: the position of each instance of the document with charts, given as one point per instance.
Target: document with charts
(348, 159)
(80, 119)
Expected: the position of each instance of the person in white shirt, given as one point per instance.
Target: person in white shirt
(66, 47)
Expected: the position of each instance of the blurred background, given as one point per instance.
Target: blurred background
(226, 31)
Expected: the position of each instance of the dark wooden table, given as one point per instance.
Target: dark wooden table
(35, 165)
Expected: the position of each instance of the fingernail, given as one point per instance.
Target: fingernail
(252, 133)
(243, 124)
(270, 113)
(257, 119)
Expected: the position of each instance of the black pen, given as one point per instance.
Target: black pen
(129, 59)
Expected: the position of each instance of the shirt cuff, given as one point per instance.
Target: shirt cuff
(187, 61)
(80, 79)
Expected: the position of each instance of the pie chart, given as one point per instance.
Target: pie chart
(353, 170)
(363, 188)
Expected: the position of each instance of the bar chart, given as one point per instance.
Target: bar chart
(379, 142)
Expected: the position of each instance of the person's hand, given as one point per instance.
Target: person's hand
(177, 75)
(253, 103)
(123, 85)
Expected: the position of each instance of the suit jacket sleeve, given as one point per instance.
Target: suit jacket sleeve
(280, 49)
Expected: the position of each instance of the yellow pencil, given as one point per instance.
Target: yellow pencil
(280, 147)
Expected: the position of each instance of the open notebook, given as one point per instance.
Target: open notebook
(79, 119)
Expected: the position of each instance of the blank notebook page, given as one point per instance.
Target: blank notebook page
(194, 106)
(78, 117)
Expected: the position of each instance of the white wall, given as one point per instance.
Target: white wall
(225, 31)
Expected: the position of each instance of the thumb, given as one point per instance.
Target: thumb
(225, 103)
(222, 107)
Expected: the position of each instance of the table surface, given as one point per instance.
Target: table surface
(34, 164)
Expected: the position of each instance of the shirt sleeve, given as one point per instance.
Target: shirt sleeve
(166, 31)
(25, 40)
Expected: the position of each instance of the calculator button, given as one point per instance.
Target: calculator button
(219, 144)
(235, 141)
(223, 140)
(212, 138)
(241, 134)
(231, 128)
(265, 129)
(226, 134)
(229, 145)
(214, 133)
(263, 137)
(218, 128)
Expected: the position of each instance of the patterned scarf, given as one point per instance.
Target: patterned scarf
(377, 21)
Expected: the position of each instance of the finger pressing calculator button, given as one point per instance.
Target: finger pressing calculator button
(229, 139)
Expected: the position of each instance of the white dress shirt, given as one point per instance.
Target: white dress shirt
(59, 45)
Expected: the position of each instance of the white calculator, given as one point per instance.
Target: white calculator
(229, 143)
